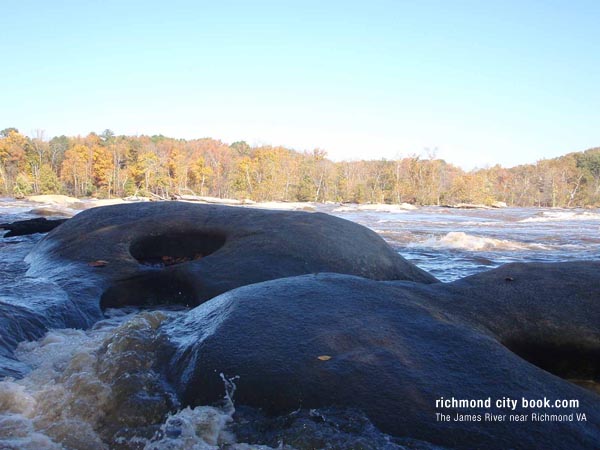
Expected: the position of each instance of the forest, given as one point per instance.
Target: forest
(105, 165)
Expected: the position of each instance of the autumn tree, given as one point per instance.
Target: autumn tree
(57, 148)
(37, 156)
(589, 163)
(200, 174)
(76, 170)
(102, 171)
(13, 147)
(108, 165)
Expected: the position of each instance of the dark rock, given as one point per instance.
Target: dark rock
(31, 226)
(170, 252)
(549, 314)
(393, 348)
(159, 253)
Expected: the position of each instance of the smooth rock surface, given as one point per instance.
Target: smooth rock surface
(168, 252)
(171, 252)
(391, 349)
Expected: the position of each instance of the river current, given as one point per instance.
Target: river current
(453, 243)
(77, 394)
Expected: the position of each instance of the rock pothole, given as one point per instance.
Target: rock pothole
(574, 363)
(169, 249)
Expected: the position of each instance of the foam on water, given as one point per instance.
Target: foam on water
(377, 207)
(94, 389)
(103, 389)
(561, 216)
(98, 389)
(463, 241)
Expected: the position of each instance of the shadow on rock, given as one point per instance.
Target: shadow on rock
(392, 349)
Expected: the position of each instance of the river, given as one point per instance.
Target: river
(67, 401)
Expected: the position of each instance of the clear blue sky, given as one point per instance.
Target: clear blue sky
(482, 81)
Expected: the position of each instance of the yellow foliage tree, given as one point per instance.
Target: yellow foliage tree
(76, 169)
(103, 170)
(12, 158)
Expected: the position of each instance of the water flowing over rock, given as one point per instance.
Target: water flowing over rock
(391, 349)
(184, 253)
(30, 226)
(296, 311)
(170, 252)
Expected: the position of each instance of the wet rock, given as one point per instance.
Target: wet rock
(46, 307)
(396, 347)
(171, 252)
(549, 314)
(30, 226)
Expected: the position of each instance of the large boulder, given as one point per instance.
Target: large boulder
(391, 349)
(171, 252)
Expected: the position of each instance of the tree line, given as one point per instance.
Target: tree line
(105, 165)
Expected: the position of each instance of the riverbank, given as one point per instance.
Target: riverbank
(53, 204)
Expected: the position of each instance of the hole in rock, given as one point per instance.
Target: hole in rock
(175, 248)
(577, 364)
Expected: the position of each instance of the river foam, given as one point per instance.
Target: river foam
(562, 216)
(98, 389)
(103, 389)
(463, 241)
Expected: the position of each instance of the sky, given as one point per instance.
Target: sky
(474, 82)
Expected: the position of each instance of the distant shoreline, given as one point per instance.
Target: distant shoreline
(62, 205)
(110, 166)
